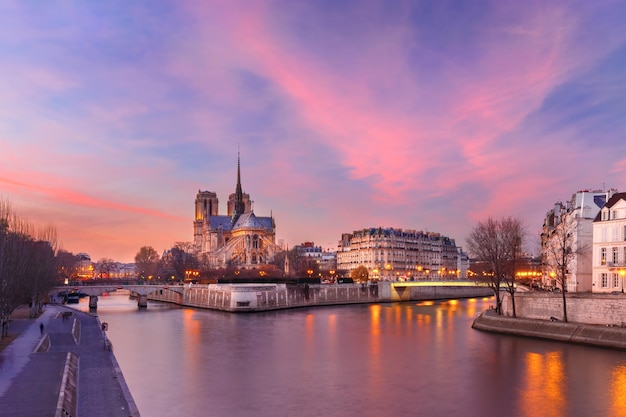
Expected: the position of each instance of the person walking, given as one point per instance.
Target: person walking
(41, 328)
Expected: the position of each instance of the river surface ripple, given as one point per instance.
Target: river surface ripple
(397, 359)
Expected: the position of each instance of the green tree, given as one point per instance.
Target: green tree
(359, 274)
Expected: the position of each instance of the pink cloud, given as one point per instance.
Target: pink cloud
(76, 199)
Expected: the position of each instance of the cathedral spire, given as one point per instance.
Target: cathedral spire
(239, 204)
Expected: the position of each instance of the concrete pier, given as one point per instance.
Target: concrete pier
(142, 301)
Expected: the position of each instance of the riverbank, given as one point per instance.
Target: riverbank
(586, 334)
(65, 368)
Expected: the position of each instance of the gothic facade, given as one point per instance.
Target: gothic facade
(239, 238)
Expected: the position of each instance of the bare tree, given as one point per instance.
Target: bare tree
(105, 266)
(513, 232)
(497, 244)
(26, 264)
(66, 265)
(13, 264)
(181, 259)
(146, 262)
(561, 250)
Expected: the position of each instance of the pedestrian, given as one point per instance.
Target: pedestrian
(41, 328)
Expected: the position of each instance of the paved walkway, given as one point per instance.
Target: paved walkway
(38, 384)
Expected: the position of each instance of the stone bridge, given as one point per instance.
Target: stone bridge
(140, 291)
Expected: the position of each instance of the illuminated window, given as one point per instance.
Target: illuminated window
(603, 256)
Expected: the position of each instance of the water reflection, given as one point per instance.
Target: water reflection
(543, 390)
(400, 359)
(618, 392)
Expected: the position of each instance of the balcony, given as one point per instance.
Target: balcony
(616, 265)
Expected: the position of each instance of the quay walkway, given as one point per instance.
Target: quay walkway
(66, 369)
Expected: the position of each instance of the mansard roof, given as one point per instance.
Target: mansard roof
(616, 198)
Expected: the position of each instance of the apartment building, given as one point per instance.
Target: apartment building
(609, 246)
(399, 255)
(571, 224)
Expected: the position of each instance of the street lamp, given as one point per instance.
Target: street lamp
(622, 273)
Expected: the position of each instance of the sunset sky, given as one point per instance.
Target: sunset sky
(427, 115)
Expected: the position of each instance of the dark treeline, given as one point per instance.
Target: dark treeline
(28, 264)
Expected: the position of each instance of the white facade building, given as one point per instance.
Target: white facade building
(609, 246)
(574, 218)
(397, 254)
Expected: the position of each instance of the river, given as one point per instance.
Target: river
(397, 359)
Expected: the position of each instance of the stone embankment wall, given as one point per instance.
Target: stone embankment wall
(603, 309)
(434, 292)
(610, 337)
(264, 297)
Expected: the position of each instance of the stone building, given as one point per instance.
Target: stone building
(397, 254)
(574, 219)
(239, 238)
(609, 246)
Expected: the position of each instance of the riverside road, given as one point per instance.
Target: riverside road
(38, 380)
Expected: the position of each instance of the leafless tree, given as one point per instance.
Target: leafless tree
(560, 253)
(105, 266)
(181, 259)
(497, 245)
(26, 264)
(146, 262)
(13, 264)
(66, 265)
(513, 233)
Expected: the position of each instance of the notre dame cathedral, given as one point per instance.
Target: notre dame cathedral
(237, 239)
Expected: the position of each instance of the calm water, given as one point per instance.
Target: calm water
(404, 359)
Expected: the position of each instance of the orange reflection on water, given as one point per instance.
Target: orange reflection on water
(471, 307)
(375, 354)
(309, 328)
(190, 325)
(375, 329)
(423, 319)
(542, 392)
(618, 392)
(191, 333)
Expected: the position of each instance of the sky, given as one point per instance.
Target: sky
(424, 115)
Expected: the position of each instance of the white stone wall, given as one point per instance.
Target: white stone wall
(603, 309)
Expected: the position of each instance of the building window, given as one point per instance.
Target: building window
(625, 233)
(615, 255)
(615, 280)
(605, 281)
(603, 256)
